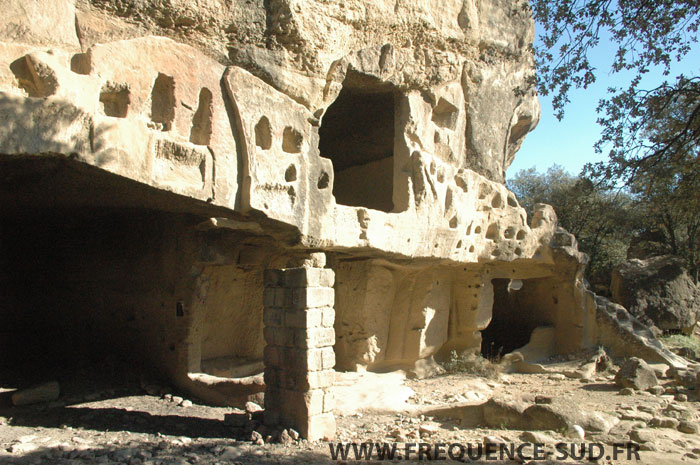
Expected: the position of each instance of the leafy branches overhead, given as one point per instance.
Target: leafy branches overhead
(648, 129)
(667, 179)
(647, 34)
(652, 131)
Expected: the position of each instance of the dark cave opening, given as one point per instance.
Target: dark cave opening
(357, 133)
(513, 319)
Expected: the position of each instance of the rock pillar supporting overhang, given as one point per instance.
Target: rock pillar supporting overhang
(299, 356)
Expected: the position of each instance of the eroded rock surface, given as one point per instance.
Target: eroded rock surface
(159, 157)
(636, 374)
(659, 291)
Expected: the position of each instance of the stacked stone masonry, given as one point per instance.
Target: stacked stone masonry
(299, 356)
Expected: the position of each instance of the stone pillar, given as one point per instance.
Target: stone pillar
(299, 356)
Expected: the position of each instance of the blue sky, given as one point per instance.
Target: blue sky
(569, 142)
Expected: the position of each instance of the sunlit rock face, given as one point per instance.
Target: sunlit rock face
(239, 135)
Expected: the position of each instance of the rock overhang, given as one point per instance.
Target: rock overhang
(201, 135)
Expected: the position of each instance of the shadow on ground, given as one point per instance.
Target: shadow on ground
(115, 419)
(203, 453)
(601, 387)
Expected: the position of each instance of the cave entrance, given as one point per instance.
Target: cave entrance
(357, 133)
(228, 327)
(515, 316)
(79, 293)
(106, 279)
(91, 273)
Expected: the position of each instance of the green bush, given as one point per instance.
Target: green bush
(681, 341)
(471, 364)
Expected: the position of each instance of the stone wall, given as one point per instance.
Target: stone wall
(299, 357)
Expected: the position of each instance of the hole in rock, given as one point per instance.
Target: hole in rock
(163, 102)
(520, 129)
(492, 232)
(323, 181)
(516, 314)
(497, 201)
(231, 340)
(263, 133)
(115, 99)
(79, 288)
(202, 120)
(445, 114)
(36, 78)
(291, 174)
(461, 182)
(357, 134)
(292, 140)
(81, 63)
(92, 279)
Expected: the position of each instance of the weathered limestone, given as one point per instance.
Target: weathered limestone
(40, 22)
(191, 165)
(299, 356)
(636, 374)
(659, 292)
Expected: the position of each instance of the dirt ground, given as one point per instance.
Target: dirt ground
(111, 420)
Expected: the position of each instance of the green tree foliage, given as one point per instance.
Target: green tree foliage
(668, 188)
(652, 133)
(647, 35)
(603, 221)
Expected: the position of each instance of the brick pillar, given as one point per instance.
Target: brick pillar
(299, 356)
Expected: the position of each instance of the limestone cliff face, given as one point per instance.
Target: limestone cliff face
(398, 107)
(376, 132)
(297, 45)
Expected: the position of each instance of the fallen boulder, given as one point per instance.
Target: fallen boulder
(504, 413)
(658, 291)
(636, 374)
(563, 415)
